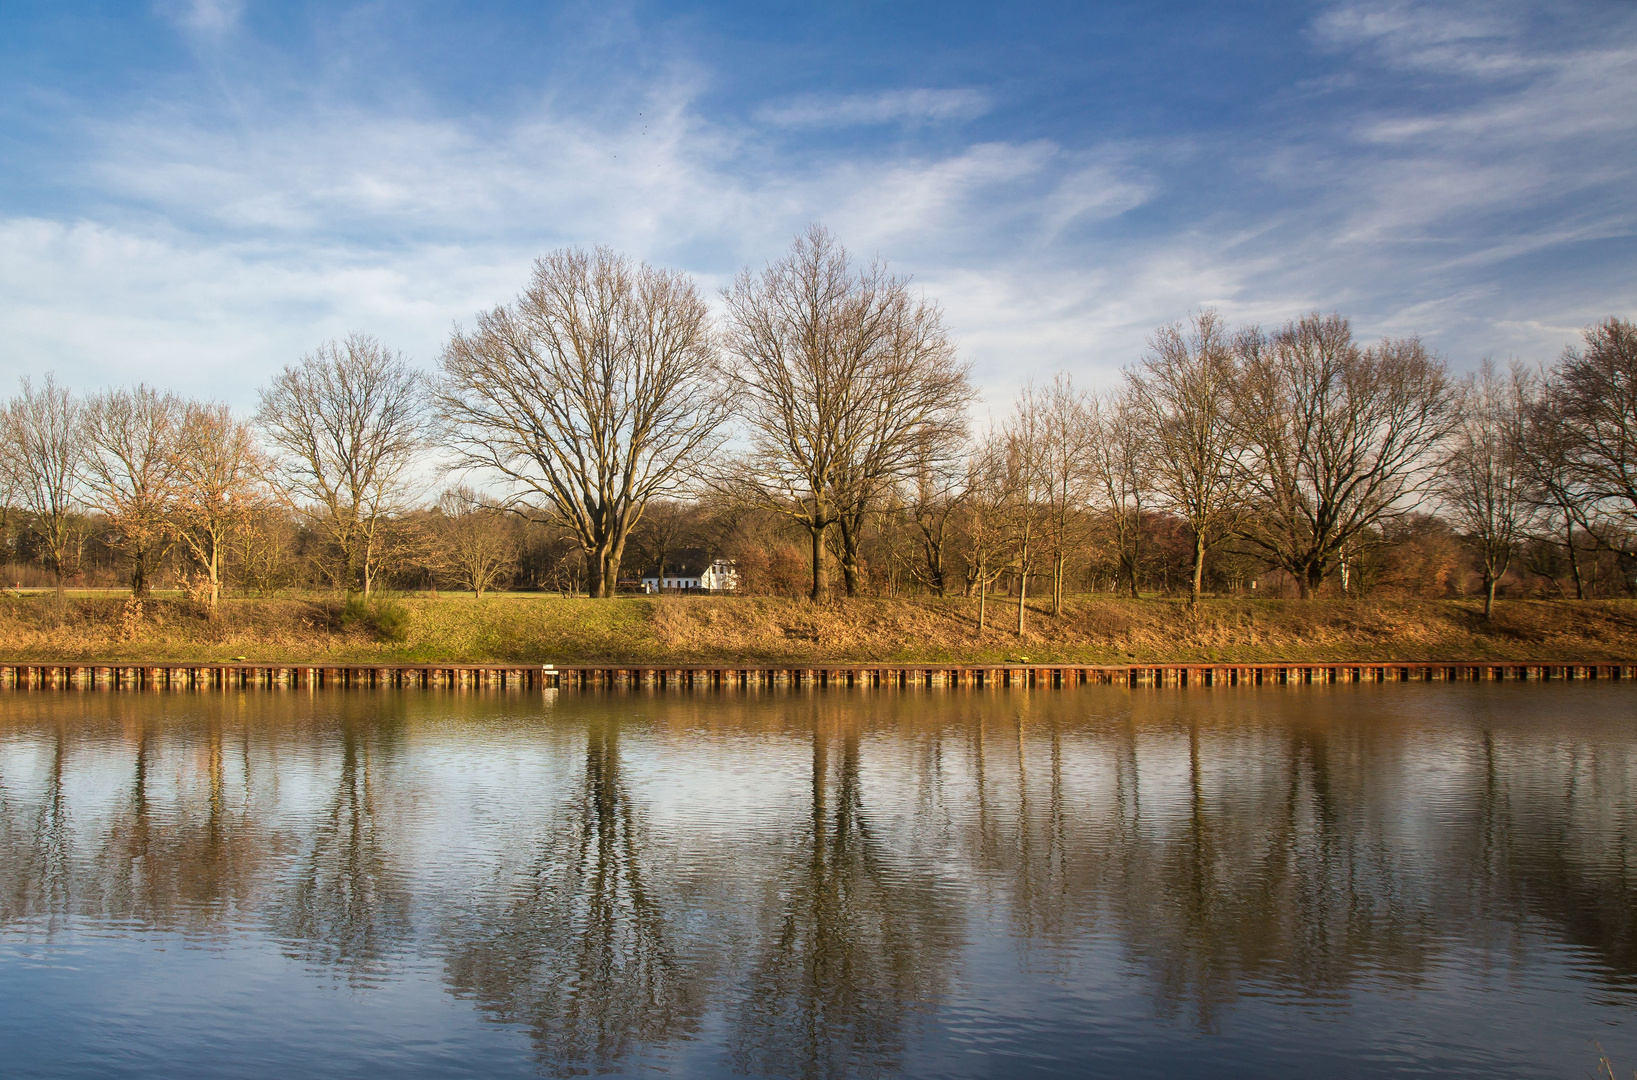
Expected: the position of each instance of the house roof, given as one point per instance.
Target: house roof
(683, 563)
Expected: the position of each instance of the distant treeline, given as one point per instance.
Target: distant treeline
(819, 429)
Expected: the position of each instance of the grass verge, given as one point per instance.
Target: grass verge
(702, 630)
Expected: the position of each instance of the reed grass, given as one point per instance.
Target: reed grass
(703, 630)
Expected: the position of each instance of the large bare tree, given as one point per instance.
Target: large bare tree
(217, 485)
(1485, 481)
(1180, 390)
(597, 390)
(1589, 419)
(346, 426)
(1337, 438)
(44, 447)
(847, 384)
(130, 471)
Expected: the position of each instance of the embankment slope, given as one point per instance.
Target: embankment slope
(730, 630)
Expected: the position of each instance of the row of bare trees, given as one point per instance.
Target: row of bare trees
(829, 396)
(1303, 447)
(159, 469)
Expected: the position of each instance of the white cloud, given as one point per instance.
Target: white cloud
(219, 247)
(917, 106)
(209, 18)
(244, 245)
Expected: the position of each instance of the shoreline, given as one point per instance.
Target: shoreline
(148, 676)
(708, 631)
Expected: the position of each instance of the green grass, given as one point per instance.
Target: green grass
(508, 628)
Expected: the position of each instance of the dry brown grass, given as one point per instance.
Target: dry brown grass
(756, 630)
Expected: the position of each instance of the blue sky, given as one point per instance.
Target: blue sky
(196, 192)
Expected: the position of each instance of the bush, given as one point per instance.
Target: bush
(391, 620)
(388, 619)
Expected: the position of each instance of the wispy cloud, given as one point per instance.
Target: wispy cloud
(205, 18)
(217, 242)
(916, 106)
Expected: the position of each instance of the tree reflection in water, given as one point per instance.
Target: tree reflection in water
(854, 941)
(1305, 846)
(1257, 874)
(580, 950)
(35, 844)
(345, 902)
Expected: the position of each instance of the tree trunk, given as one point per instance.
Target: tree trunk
(1022, 591)
(1489, 595)
(1309, 580)
(1574, 559)
(821, 578)
(849, 555)
(1057, 583)
(1199, 567)
(982, 590)
(139, 573)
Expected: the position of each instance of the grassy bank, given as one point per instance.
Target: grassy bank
(684, 630)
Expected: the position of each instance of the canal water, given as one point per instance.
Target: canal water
(1337, 881)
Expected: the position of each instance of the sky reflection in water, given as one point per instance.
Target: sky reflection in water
(1353, 881)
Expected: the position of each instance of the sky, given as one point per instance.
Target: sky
(197, 192)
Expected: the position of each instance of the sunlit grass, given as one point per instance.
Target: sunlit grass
(547, 628)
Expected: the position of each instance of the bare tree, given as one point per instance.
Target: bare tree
(987, 534)
(847, 384)
(938, 494)
(130, 471)
(1554, 481)
(1121, 464)
(216, 484)
(476, 542)
(1589, 413)
(345, 425)
(668, 525)
(1064, 459)
(1181, 390)
(1025, 438)
(1338, 439)
(1485, 481)
(913, 417)
(44, 448)
(263, 549)
(596, 391)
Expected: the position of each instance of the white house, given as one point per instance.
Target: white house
(693, 575)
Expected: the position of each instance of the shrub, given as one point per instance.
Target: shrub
(388, 619)
(391, 620)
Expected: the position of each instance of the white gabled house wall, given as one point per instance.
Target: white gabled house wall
(720, 576)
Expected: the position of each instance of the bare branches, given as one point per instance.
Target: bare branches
(1588, 420)
(1119, 456)
(130, 470)
(1485, 480)
(44, 448)
(847, 385)
(1181, 391)
(596, 391)
(1336, 439)
(345, 427)
(475, 541)
(216, 480)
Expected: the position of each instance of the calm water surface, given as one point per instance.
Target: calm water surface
(1302, 881)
